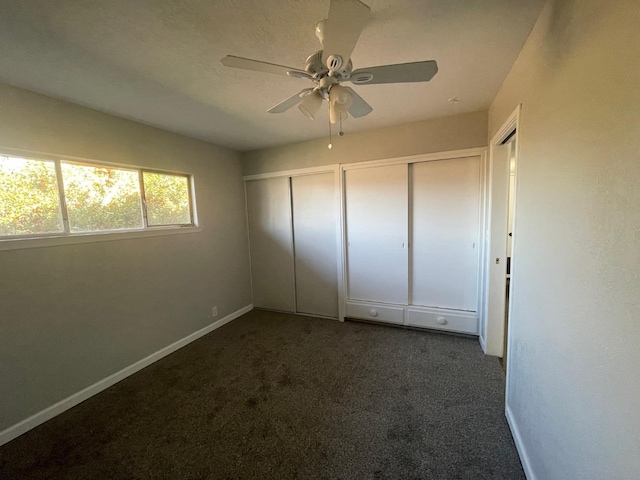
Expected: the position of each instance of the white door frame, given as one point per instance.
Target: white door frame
(492, 328)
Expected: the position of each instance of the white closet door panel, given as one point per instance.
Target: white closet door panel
(270, 235)
(314, 227)
(445, 225)
(377, 224)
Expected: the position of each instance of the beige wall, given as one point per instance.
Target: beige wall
(449, 133)
(72, 315)
(573, 380)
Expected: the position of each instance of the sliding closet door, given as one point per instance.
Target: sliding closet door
(270, 235)
(314, 226)
(445, 231)
(377, 221)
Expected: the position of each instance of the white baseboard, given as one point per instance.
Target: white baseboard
(56, 409)
(522, 452)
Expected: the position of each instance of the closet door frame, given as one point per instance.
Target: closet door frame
(335, 170)
(482, 233)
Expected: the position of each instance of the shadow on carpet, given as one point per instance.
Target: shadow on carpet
(277, 396)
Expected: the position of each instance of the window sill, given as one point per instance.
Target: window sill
(91, 237)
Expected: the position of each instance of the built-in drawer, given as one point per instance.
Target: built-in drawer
(375, 312)
(461, 322)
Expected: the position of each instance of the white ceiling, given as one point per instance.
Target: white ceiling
(158, 61)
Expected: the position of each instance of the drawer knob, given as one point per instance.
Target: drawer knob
(373, 312)
(441, 321)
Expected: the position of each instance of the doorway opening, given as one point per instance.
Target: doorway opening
(511, 144)
(499, 254)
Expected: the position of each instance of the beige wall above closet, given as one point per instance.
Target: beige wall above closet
(459, 131)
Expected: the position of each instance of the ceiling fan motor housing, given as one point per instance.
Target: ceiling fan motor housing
(334, 62)
(335, 67)
(314, 65)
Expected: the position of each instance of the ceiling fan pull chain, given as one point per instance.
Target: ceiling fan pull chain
(341, 132)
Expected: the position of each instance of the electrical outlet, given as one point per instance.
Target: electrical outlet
(214, 312)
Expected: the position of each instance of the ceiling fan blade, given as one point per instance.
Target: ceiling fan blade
(359, 108)
(258, 66)
(399, 73)
(292, 101)
(346, 20)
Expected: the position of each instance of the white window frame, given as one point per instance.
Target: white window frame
(144, 199)
(66, 237)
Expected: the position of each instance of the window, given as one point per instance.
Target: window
(63, 197)
(29, 200)
(167, 199)
(99, 198)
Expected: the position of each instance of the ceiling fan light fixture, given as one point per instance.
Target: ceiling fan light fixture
(335, 116)
(340, 98)
(340, 101)
(310, 105)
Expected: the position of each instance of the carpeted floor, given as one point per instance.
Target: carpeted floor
(276, 396)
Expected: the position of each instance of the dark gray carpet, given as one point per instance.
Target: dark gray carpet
(279, 396)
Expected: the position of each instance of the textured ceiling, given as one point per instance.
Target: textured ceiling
(158, 61)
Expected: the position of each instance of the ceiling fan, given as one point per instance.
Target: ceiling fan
(332, 65)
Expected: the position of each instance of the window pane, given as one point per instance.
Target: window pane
(101, 198)
(29, 201)
(167, 199)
